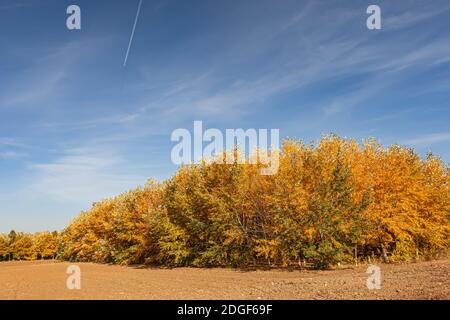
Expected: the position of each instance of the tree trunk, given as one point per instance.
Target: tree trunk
(301, 262)
(384, 254)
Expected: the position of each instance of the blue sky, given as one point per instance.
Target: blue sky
(77, 126)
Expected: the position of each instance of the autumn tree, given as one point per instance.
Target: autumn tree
(4, 247)
(45, 245)
(334, 201)
(22, 247)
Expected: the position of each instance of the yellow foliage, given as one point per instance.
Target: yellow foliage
(334, 201)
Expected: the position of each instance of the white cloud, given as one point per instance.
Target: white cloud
(408, 18)
(81, 176)
(11, 148)
(43, 80)
(429, 139)
(10, 154)
(319, 54)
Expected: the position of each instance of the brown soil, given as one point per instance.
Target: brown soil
(47, 280)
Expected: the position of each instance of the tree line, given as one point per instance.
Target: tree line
(28, 246)
(337, 201)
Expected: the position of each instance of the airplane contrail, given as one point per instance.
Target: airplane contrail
(132, 33)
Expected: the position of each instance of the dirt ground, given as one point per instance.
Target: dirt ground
(47, 280)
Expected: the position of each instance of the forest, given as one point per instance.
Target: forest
(337, 201)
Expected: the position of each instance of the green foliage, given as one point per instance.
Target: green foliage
(335, 218)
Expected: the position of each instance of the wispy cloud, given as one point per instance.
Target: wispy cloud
(11, 148)
(318, 55)
(429, 139)
(44, 80)
(408, 18)
(12, 142)
(120, 119)
(14, 4)
(81, 176)
(356, 97)
(85, 124)
(10, 154)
